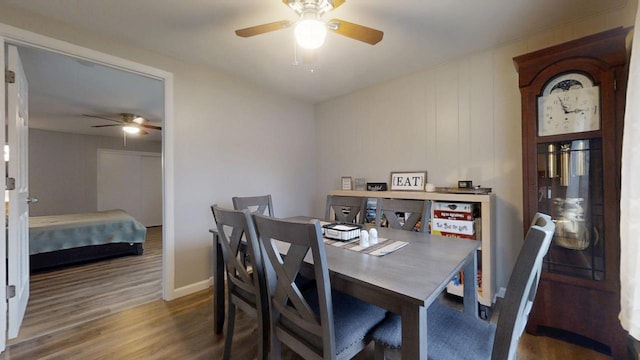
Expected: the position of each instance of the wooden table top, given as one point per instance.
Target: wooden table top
(416, 273)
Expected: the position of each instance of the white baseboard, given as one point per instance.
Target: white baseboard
(192, 288)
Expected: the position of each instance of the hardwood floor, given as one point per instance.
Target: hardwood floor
(117, 327)
(182, 329)
(71, 296)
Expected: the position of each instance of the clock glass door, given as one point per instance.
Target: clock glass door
(570, 188)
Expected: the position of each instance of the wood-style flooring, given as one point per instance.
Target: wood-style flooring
(155, 329)
(75, 295)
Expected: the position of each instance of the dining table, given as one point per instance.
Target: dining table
(405, 281)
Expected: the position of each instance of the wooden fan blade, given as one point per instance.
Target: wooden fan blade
(355, 31)
(151, 127)
(106, 125)
(336, 3)
(102, 117)
(143, 132)
(264, 28)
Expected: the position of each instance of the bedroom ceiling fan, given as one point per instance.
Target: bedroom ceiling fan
(130, 123)
(310, 30)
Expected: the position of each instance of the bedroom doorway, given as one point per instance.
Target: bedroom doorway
(84, 57)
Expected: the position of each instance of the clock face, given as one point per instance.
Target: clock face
(569, 103)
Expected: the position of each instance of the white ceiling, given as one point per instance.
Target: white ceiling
(63, 89)
(417, 34)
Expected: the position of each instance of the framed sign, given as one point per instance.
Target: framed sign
(414, 181)
(346, 183)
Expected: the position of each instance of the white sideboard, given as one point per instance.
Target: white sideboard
(486, 293)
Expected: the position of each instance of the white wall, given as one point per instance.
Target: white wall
(234, 139)
(63, 169)
(230, 138)
(458, 120)
(131, 181)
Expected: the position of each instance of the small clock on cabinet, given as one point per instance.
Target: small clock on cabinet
(570, 103)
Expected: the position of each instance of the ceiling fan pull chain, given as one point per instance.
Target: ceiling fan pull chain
(296, 62)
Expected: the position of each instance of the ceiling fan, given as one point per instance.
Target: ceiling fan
(310, 31)
(130, 123)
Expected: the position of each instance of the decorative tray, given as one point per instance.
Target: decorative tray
(342, 231)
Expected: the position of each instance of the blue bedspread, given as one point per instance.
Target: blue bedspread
(59, 232)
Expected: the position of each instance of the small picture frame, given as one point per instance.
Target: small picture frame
(465, 184)
(411, 181)
(346, 183)
(376, 186)
(360, 184)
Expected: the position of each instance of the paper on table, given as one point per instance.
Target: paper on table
(389, 248)
(383, 247)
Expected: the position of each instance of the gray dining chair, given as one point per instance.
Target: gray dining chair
(246, 281)
(455, 335)
(417, 211)
(348, 209)
(317, 323)
(261, 204)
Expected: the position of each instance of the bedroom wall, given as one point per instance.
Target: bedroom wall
(458, 120)
(63, 169)
(230, 137)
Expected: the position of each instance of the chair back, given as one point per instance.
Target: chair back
(256, 204)
(246, 282)
(522, 286)
(417, 210)
(353, 205)
(293, 319)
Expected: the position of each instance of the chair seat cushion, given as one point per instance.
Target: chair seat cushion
(451, 334)
(353, 320)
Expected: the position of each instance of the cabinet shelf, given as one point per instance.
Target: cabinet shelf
(487, 291)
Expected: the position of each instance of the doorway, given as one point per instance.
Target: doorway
(85, 55)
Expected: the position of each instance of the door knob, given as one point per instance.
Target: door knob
(32, 200)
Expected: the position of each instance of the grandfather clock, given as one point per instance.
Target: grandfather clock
(573, 98)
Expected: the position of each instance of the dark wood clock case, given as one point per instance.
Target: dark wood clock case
(575, 177)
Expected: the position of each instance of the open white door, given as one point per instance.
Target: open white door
(3, 234)
(17, 173)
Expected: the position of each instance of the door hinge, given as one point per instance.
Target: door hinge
(9, 76)
(11, 183)
(615, 85)
(11, 291)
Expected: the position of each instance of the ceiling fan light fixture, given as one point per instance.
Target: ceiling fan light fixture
(310, 32)
(129, 129)
(138, 119)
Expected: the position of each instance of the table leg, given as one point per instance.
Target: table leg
(470, 299)
(414, 332)
(218, 286)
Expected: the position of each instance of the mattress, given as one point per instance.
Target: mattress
(60, 232)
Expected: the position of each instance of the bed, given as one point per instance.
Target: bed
(60, 240)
